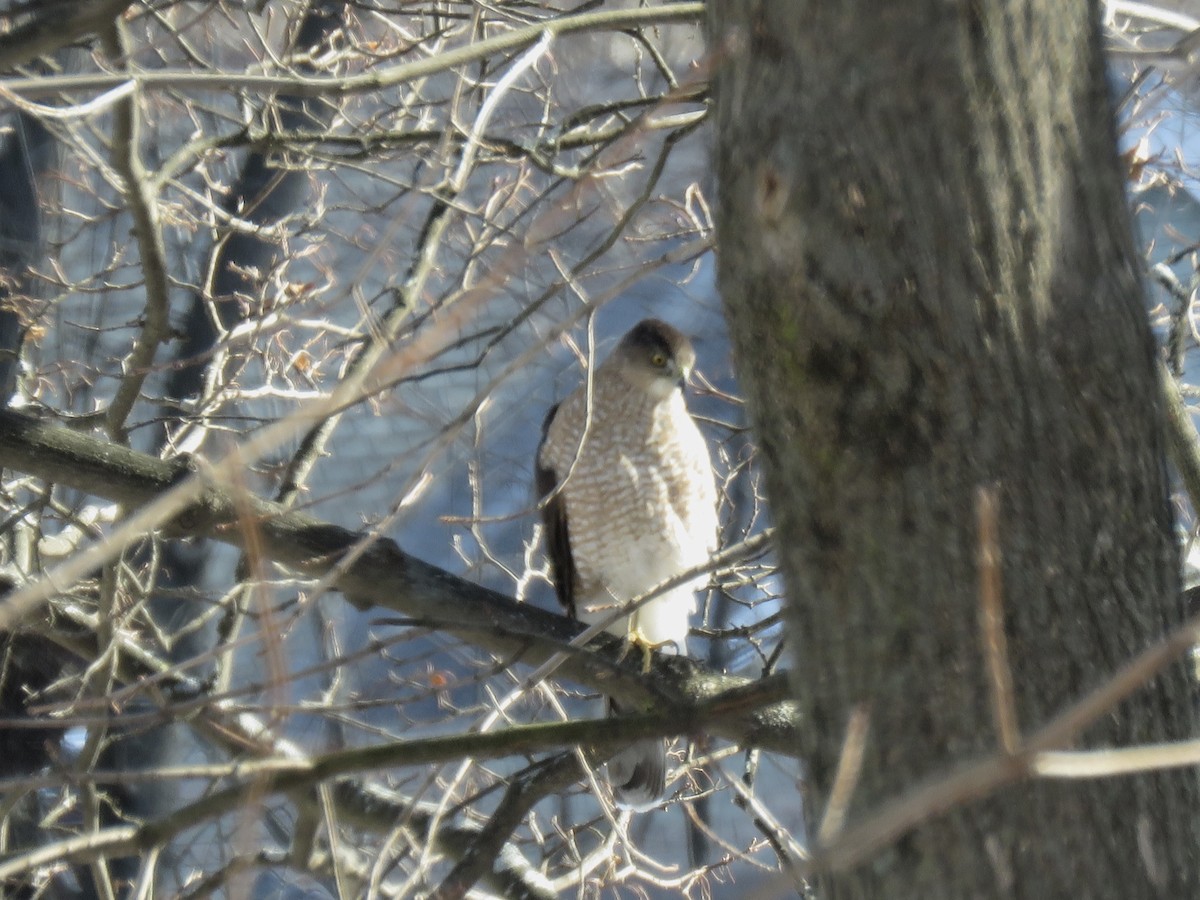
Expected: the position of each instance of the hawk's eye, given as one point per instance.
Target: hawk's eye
(659, 359)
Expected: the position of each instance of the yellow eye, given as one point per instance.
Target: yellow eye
(659, 359)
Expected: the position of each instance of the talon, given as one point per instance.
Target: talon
(635, 638)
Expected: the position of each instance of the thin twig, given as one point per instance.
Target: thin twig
(369, 82)
(991, 620)
(147, 229)
(845, 779)
(519, 797)
(604, 733)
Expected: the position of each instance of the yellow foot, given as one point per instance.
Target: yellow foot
(636, 639)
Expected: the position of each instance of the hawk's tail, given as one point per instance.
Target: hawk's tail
(638, 773)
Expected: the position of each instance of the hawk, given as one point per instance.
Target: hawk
(629, 501)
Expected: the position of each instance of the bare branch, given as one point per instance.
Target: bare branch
(299, 86)
(52, 26)
(368, 570)
(143, 207)
(991, 620)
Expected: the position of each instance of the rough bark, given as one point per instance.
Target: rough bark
(922, 228)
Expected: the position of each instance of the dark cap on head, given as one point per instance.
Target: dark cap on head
(653, 335)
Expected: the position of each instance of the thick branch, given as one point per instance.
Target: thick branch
(374, 571)
(52, 27)
(282, 777)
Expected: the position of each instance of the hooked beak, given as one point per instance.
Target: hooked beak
(685, 378)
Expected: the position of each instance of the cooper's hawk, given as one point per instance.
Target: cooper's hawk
(632, 503)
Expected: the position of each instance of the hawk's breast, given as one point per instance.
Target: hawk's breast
(639, 495)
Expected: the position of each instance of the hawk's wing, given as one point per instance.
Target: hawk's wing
(554, 521)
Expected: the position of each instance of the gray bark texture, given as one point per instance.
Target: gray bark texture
(931, 285)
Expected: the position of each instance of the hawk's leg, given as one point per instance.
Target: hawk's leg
(636, 637)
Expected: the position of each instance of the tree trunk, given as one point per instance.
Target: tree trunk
(925, 248)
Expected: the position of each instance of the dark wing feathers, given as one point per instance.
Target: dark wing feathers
(554, 521)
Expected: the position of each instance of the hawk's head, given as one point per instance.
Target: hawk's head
(654, 357)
